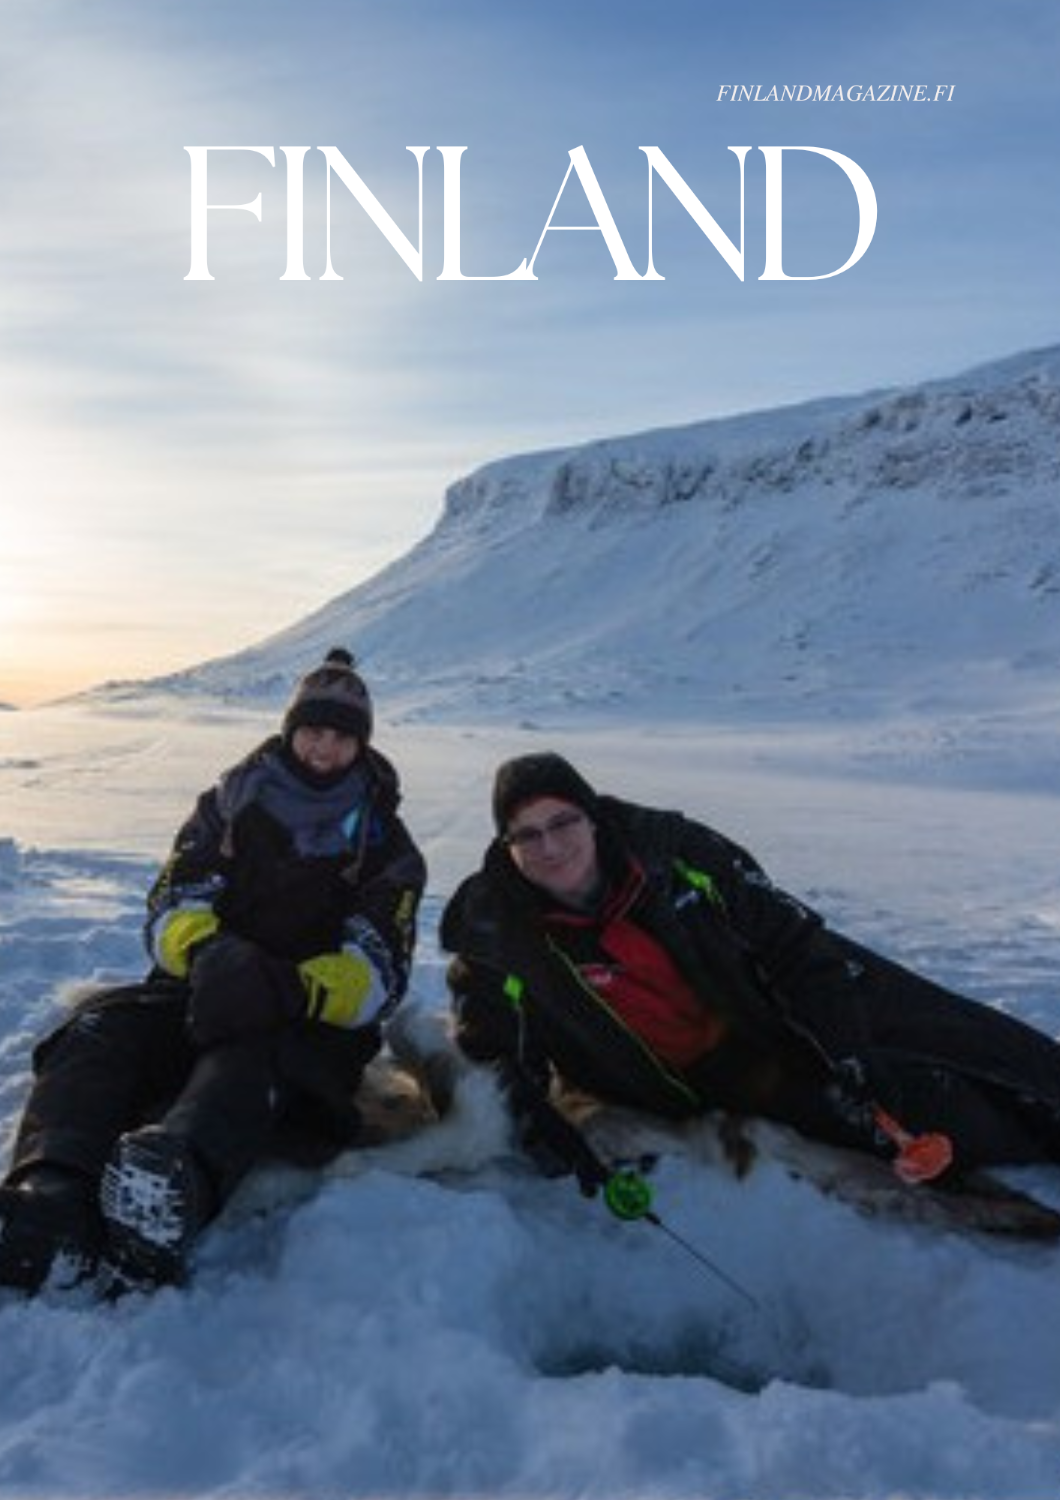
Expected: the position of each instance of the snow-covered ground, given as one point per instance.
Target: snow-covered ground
(484, 1332)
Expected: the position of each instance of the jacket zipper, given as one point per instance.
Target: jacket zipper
(670, 1079)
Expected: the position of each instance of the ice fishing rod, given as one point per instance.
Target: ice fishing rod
(628, 1195)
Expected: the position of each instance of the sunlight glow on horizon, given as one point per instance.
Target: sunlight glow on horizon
(188, 468)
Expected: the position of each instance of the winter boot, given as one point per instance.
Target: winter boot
(155, 1198)
(50, 1229)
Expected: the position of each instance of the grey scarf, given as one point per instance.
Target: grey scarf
(322, 820)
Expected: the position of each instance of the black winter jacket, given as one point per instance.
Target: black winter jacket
(815, 1028)
(305, 873)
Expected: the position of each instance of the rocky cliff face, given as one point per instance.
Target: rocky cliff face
(968, 436)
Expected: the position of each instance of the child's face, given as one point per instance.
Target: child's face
(324, 751)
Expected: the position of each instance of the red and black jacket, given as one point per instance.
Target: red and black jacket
(522, 976)
(808, 1027)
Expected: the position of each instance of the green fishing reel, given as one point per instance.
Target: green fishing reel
(628, 1195)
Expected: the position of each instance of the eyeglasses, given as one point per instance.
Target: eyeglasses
(530, 840)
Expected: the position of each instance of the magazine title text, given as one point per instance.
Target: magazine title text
(659, 166)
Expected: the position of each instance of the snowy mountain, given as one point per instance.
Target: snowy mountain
(868, 583)
(849, 557)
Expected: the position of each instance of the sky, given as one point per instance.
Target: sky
(188, 466)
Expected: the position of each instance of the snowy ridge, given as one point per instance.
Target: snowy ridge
(851, 556)
(941, 432)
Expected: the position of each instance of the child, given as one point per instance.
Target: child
(281, 931)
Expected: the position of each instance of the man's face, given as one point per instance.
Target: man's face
(553, 843)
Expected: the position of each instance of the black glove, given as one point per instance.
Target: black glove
(237, 988)
(556, 1148)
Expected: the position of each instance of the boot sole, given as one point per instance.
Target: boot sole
(147, 1197)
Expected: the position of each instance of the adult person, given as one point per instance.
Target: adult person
(645, 958)
(281, 931)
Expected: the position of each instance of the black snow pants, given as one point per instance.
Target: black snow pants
(937, 1060)
(124, 1058)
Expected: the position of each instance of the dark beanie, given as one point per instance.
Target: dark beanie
(528, 777)
(332, 696)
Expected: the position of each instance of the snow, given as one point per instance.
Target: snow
(484, 1331)
(470, 1328)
